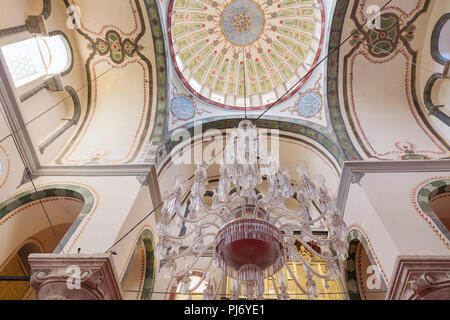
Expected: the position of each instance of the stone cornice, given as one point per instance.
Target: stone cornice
(96, 170)
(353, 172)
(74, 277)
(420, 278)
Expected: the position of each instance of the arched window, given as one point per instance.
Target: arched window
(36, 57)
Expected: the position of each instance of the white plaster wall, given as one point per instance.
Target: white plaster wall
(141, 207)
(360, 214)
(384, 208)
(386, 119)
(391, 196)
(114, 198)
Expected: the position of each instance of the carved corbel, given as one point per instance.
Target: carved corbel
(357, 177)
(420, 278)
(74, 277)
(422, 285)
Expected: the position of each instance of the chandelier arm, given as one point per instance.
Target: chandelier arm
(316, 206)
(274, 206)
(258, 205)
(327, 276)
(189, 233)
(181, 273)
(321, 240)
(275, 287)
(320, 217)
(190, 247)
(290, 215)
(199, 219)
(237, 197)
(218, 286)
(295, 279)
(209, 209)
(199, 282)
(307, 246)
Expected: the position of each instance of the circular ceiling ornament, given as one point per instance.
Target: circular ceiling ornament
(245, 53)
(309, 104)
(242, 22)
(182, 108)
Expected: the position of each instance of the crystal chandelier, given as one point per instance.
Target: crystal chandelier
(251, 237)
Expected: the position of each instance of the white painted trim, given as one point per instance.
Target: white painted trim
(100, 170)
(155, 191)
(388, 166)
(14, 118)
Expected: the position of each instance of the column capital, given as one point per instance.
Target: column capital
(74, 277)
(420, 278)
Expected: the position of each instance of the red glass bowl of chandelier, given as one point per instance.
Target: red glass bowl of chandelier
(249, 241)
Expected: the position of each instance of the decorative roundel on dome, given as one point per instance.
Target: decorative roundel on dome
(309, 104)
(228, 50)
(182, 108)
(242, 22)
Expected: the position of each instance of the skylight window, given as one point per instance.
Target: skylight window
(36, 57)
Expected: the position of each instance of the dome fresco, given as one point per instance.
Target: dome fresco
(217, 46)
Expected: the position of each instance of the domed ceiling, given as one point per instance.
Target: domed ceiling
(217, 46)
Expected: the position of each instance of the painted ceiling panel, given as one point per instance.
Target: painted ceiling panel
(368, 112)
(117, 118)
(124, 68)
(380, 105)
(245, 53)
